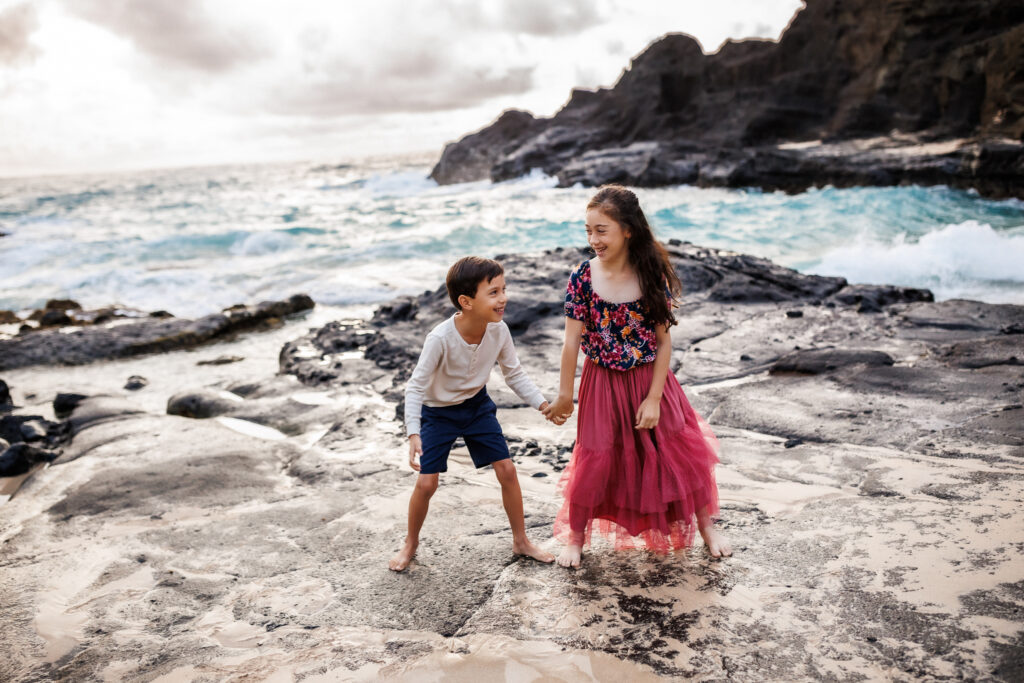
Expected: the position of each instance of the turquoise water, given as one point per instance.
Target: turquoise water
(192, 241)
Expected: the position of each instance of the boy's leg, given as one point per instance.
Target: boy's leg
(437, 434)
(487, 446)
(512, 498)
(419, 503)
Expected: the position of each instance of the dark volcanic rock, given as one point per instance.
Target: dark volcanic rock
(144, 335)
(19, 428)
(873, 298)
(817, 361)
(65, 403)
(33, 431)
(21, 457)
(899, 93)
(221, 360)
(474, 160)
(908, 360)
(54, 318)
(985, 352)
(5, 394)
(62, 305)
(136, 382)
(199, 404)
(392, 338)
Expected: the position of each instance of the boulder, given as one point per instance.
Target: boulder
(199, 404)
(21, 457)
(135, 382)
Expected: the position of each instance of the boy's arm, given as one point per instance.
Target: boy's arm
(515, 376)
(430, 358)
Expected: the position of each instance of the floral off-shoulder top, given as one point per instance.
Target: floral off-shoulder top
(615, 336)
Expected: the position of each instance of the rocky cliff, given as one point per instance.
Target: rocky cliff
(854, 92)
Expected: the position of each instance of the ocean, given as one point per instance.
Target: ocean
(192, 241)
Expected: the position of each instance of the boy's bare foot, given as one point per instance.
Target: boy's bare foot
(571, 556)
(400, 561)
(717, 544)
(530, 550)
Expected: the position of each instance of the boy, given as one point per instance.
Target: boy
(446, 398)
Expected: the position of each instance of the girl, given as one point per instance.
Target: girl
(643, 465)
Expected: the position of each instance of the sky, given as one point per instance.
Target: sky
(102, 85)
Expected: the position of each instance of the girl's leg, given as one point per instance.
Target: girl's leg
(419, 503)
(572, 555)
(717, 544)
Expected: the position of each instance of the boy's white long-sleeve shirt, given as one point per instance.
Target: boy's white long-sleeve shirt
(451, 370)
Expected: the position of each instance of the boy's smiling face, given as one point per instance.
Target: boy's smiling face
(489, 302)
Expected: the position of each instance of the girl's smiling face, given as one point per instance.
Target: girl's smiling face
(605, 236)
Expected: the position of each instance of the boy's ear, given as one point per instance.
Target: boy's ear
(465, 302)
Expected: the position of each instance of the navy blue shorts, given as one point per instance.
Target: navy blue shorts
(475, 420)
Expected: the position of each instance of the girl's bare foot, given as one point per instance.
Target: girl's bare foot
(717, 544)
(530, 550)
(571, 556)
(400, 561)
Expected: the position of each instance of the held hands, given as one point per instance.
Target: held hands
(559, 411)
(415, 449)
(648, 414)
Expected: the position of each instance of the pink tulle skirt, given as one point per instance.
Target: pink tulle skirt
(641, 488)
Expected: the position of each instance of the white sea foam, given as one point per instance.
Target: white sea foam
(398, 184)
(192, 241)
(259, 243)
(956, 261)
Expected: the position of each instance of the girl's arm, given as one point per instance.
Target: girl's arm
(562, 407)
(649, 412)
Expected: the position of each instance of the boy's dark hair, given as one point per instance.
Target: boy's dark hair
(467, 273)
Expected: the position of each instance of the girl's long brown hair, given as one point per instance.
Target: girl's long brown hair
(646, 255)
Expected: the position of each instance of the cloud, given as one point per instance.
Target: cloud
(546, 18)
(403, 85)
(541, 18)
(17, 24)
(380, 58)
(175, 32)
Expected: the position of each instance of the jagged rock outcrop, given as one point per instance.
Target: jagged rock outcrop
(153, 334)
(897, 92)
